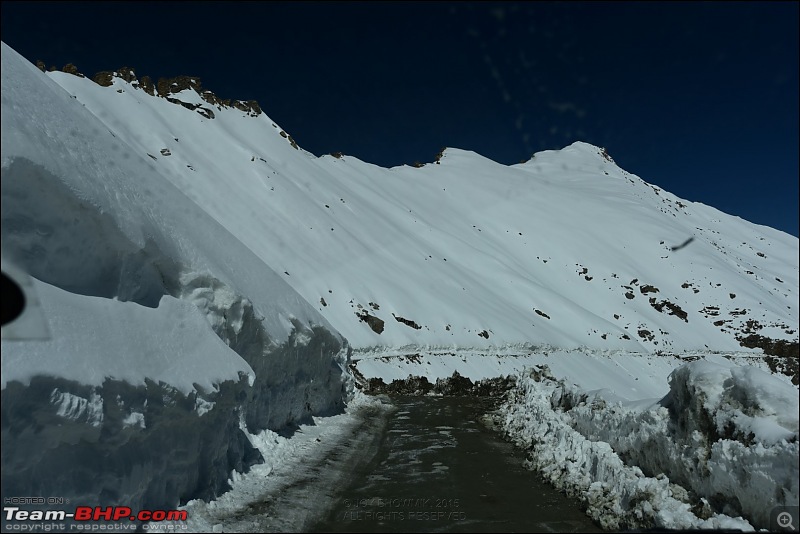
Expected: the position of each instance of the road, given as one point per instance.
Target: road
(439, 469)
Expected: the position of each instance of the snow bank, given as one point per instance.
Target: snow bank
(722, 443)
(95, 339)
(165, 331)
(741, 403)
(296, 484)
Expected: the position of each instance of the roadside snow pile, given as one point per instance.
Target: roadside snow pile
(722, 443)
(294, 487)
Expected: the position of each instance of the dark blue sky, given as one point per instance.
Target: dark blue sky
(698, 98)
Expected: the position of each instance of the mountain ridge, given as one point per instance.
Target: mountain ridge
(455, 236)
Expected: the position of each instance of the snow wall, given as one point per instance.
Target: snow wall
(166, 337)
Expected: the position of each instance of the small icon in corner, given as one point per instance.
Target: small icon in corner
(784, 518)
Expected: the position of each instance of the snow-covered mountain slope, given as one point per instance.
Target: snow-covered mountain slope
(201, 275)
(167, 337)
(566, 250)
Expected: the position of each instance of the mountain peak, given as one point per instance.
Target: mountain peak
(567, 250)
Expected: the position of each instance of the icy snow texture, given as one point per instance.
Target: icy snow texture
(73, 407)
(697, 436)
(164, 329)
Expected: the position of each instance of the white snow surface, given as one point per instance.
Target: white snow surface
(466, 245)
(93, 339)
(213, 258)
(108, 225)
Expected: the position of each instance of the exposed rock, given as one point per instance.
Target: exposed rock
(250, 107)
(782, 356)
(773, 347)
(605, 156)
(166, 86)
(169, 86)
(40, 65)
(147, 85)
(406, 322)
(104, 78)
(69, 68)
(375, 323)
(493, 387)
(127, 74)
(211, 98)
(205, 112)
(187, 105)
(673, 308)
(254, 107)
(646, 334)
(455, 385)
(410, 386)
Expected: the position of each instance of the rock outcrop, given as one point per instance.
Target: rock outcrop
(165, 87)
